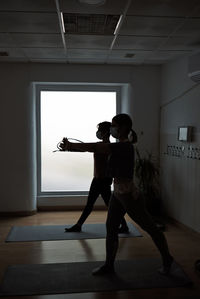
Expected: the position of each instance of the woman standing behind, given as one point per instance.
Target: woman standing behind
(101, 182)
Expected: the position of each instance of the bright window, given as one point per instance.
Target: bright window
(72, 114)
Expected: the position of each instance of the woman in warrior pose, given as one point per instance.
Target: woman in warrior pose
(125, 198)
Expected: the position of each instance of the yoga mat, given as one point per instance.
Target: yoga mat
(61, 278)
(57, 232)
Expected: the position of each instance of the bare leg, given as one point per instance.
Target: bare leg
(115, 214)
(106, 195)
(137, 211)
(92, 197)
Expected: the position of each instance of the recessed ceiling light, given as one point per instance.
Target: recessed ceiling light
(92, 2)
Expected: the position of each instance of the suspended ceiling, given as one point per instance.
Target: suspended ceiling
(150, 31)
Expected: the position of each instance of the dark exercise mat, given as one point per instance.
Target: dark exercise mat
(77, 277)
(57, 232)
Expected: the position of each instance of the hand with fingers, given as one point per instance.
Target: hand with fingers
(65, 144)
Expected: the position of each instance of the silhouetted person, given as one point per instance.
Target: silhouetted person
(101, 183)
(125, 198)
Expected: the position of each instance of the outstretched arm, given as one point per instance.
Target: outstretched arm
(96, 147)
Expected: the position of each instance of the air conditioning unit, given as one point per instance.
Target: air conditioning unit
(194, 67)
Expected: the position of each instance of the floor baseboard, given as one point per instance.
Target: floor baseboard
(68, 208)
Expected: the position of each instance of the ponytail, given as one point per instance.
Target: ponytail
(132, 136)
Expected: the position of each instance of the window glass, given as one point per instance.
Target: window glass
(71, 114)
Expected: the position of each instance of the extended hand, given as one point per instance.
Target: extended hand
(65, 144)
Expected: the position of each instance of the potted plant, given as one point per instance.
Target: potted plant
(147, 178)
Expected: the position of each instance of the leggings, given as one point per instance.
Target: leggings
(136, 209)
(99, 186)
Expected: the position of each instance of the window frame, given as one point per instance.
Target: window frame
(65, 87)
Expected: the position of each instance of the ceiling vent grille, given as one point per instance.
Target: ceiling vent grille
(3, 54)
(129, 55)
(90, 24)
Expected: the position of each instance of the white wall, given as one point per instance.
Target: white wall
(18, 125)
(180, 106)
(16, 154)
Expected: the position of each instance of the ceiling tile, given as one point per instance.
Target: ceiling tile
(13, 52)
(13, 59)
(190, 27)
(138, 42)
(44, 53)
(27, 5)
(122, 54)
(90, 54)
(29, 22)
(173, 8)
(110, 7)
(181, 43)
(122, 57)
(34, 40)
(82, 60)
(6, 40)
(123, 61)
(154, 26)
(49, 60)
(167, 55)
(88, 41)
(155, 61)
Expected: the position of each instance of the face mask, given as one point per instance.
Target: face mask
(114, 132)
(99, 135)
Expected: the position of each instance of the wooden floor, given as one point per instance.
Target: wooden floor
(184, 245)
